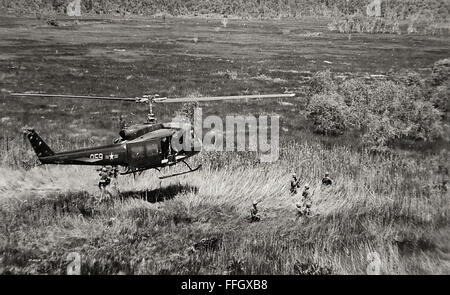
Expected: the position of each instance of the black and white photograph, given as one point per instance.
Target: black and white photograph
(224, 139)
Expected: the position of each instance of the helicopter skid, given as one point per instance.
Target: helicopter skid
(174, 160)
(181, 173)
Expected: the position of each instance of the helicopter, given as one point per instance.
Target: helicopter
(140, 147)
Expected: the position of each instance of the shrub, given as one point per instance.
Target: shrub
(385, 97)
(379, 133)
(393, 113)
(441, 99)
(424, 122)
(322, 82)
(329, 113)
(356, 96)
(440, 72)
(387, 111)
(407, 77)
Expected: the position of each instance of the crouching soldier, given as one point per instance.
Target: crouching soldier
(327, 180)
(254, 215)
(299, 210)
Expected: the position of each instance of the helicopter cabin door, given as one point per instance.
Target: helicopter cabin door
(144, 154)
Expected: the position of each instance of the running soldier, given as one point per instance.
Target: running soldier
(294, 184)
(105, 180)
(307, 200)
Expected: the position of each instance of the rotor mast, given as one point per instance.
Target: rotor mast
(149, 99)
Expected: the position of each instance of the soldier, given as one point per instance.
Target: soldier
(327, 180)
(254, 216)
(307, 201)
(105, 178)
(113, 172)
(294, 184)
(299, 209)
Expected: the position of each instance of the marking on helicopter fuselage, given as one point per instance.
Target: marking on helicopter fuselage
(98, 156)
(112, 156)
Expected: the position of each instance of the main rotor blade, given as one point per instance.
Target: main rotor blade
(160, 100)
(212, 98)
(73, 96)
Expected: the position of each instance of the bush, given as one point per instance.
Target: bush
(395, 113)
(380, 131)
(440, 72)
(407, 77)
(386, 97)
(424, 122)
(322, 82)
(356, 96)
(441, 99)
(329, 113)
(384, 111)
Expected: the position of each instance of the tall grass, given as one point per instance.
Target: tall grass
(394, 205)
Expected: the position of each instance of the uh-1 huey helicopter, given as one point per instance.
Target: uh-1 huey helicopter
(140, 146)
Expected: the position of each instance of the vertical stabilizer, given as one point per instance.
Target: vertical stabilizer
(39, 146)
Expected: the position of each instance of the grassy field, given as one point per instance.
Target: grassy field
(395, 203)
(394, 206)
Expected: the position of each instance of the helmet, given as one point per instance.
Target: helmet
(327, 173)
(306, 186)
(255, 202)
(104, 169)
(294, 175)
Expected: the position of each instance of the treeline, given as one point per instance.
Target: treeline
(401, 9)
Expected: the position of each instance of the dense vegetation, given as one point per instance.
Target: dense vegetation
(401, 9)
(402, 107)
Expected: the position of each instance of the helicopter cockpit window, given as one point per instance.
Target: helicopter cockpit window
(152, 149)
(137, 152)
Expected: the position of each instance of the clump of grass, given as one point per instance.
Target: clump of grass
(230, 74)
